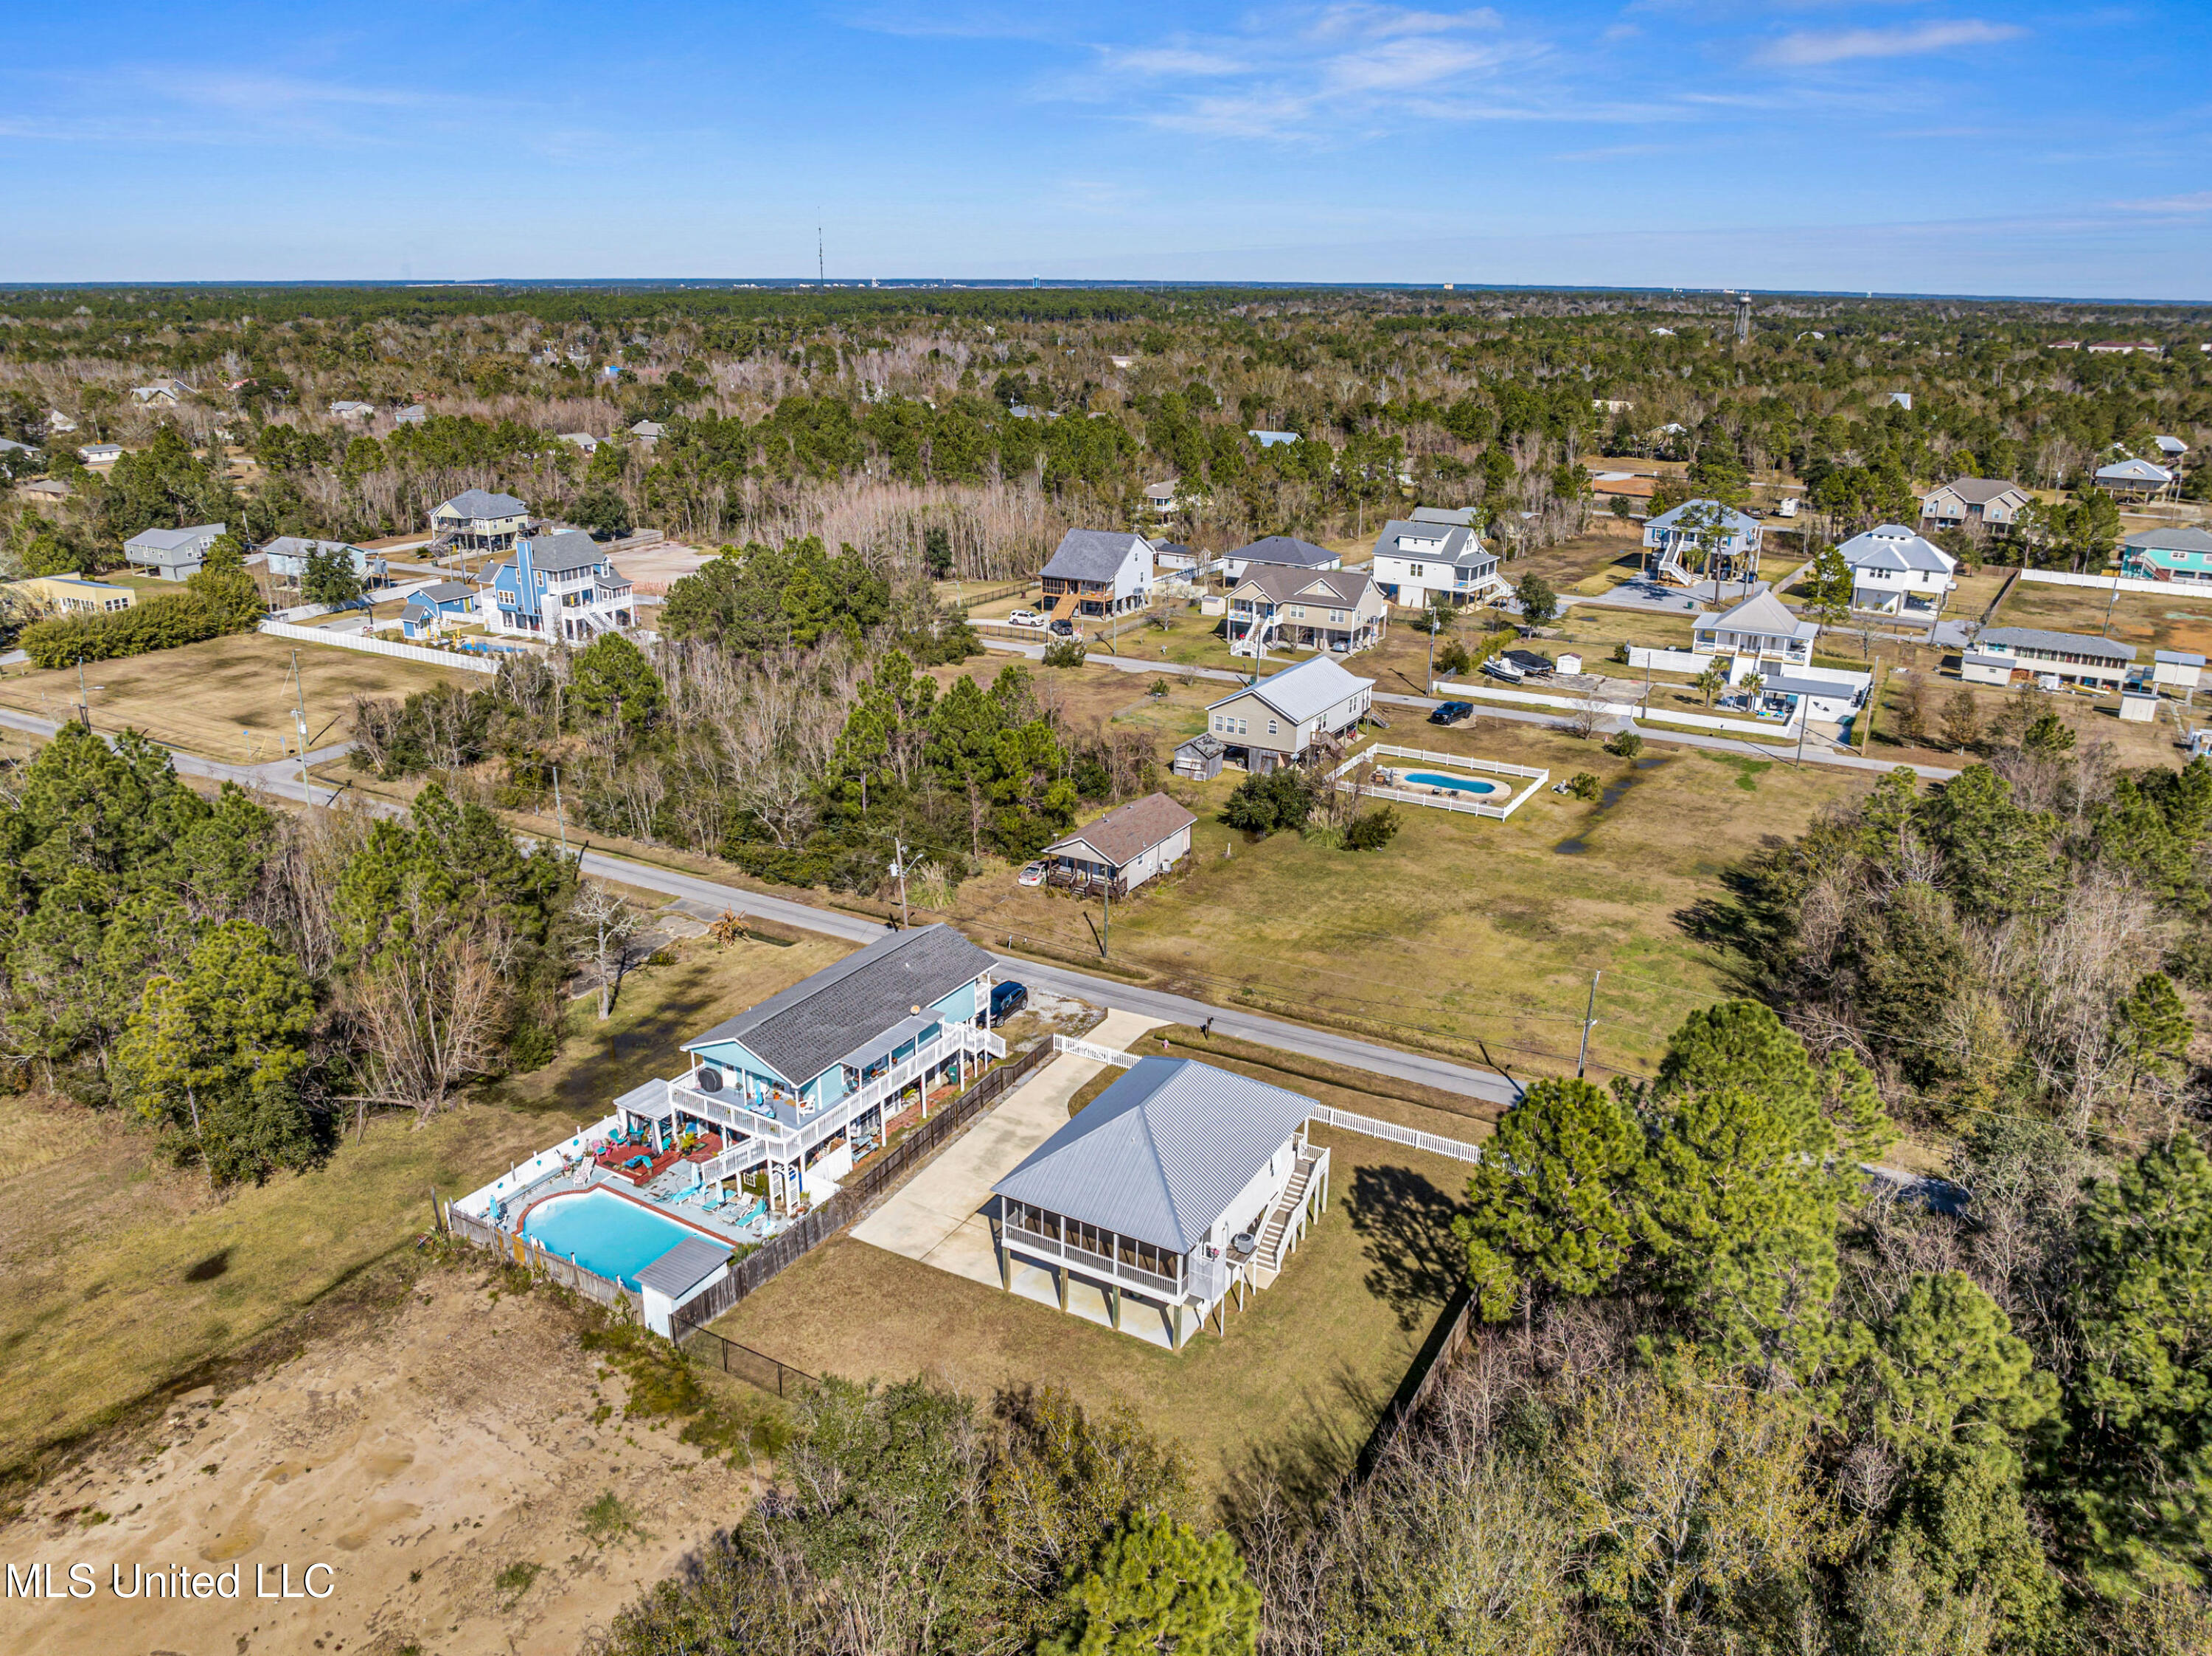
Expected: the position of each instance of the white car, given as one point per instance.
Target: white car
(1031, 874)
(1025, 618)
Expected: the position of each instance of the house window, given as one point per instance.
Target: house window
(1243, 729)
(1416, 571)
(1271, 727)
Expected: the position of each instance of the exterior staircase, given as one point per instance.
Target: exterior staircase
(1268, 1261)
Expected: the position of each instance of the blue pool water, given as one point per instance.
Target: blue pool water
(1457, 784)
(603, 1233)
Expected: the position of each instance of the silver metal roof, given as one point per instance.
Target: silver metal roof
(684, 1267)
(1161, 1154)
(2035, 638)
(651, 1100)
(1303, 692)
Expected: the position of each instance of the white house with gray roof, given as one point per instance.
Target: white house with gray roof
(1416, 561)
(2135, 479)
(1895, 572)
(1715, 542)
(1280, 720)
(2000, 654)
(1097, 572)
(1178, 1188)
(1759, 635)
(798, 1086)
(171, 554)
(287, 556)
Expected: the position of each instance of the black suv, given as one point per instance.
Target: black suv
(1450, 713)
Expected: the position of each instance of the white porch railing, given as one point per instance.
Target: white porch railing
(766, 1138)
(1098, 1265)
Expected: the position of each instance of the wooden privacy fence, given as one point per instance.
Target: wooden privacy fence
(853, 1198)
(536, 1258)
(1437, 1354)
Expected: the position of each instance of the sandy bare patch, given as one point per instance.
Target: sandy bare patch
(430, 1461)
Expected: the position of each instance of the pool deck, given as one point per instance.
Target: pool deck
(707, 1224)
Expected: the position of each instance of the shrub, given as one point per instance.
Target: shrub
(1453, 660)
(1159, 687)
(1065, 652)
(1371, 830)
(1583, 785)
(1262, 804)
(161, 623)
(1627, 745)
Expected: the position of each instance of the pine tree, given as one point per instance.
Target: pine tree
(1160, 1589)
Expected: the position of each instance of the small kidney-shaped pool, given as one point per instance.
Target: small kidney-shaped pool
(1457, 784)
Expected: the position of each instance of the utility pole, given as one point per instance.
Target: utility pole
(1106, 901)
(299, 719)
(1589, 1022)
(898, 868)
(559, 821)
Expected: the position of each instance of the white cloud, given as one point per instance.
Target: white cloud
(1810, 48)
(2196, 202)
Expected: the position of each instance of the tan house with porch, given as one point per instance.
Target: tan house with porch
(1122, 849)
(1280, 720)
(1278, 607)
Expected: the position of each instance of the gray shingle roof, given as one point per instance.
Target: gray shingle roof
(446, 591)
(1462, 515)
(684, 1267)
(1161, 1154)
(1301, 692)
(2171, 540)
(2035, 638)
(1094, 555)
(570, 549)
(1335, 586)
(1285, 549)
(1980, 491)
(483, 503)
(809, 1026)
(1453, 543)
(1127, 830)
(193, 539)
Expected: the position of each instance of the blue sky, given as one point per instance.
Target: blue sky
(1890, 144)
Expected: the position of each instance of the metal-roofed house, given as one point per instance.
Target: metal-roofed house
(478, 520)
(1271, 439)
(431, 610)
(1278, 607)
(161, 394)
(2174, 555)
(1287, 550)
(171, 554)
(1895, 572)
(2000, 654)
(1716, 541)
(287, 556)
(1991, 503)
(2137, 479)
(810, 1078)
(1759, 634)
(1177, 1186)
(1415, 562)
(1279, 719)
(100, 454)
(1122, 849)
(1098, 573)
(1460, 517)
(2171, 449)
(561, 587)
(413, 415)
(648, 432)
(350, 408)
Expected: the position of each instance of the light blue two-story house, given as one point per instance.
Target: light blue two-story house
(1714, 541)
(287, 556)
(807, 1080)
(558, 586)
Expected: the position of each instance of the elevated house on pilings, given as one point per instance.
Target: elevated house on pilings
(800, 1085)
(1170, 1199)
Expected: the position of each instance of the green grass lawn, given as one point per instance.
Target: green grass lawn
(1463, 934)
(124, 1275)
(1295, 1385)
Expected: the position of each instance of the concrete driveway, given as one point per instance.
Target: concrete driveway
(937, 1215)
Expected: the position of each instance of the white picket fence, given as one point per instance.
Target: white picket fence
(1669, 661)
(1095, 1054)
(1345, 1120)
(377, 646)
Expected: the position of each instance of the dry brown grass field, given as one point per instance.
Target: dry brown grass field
(228, 699)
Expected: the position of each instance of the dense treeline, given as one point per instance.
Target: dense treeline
(995, 420)
(220, 598)
(244, 979)
(784, 722)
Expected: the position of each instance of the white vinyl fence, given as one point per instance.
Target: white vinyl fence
(1471, 805)
(1775, 732)
(2103, 583)
(1348, 1122)
(377, 646)
(1095, 1054)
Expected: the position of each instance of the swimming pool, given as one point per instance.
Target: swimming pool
(603, 1233)
(1457, 784)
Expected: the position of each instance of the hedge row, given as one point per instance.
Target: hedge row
(158, 623)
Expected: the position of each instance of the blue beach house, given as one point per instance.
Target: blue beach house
(561, 587)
